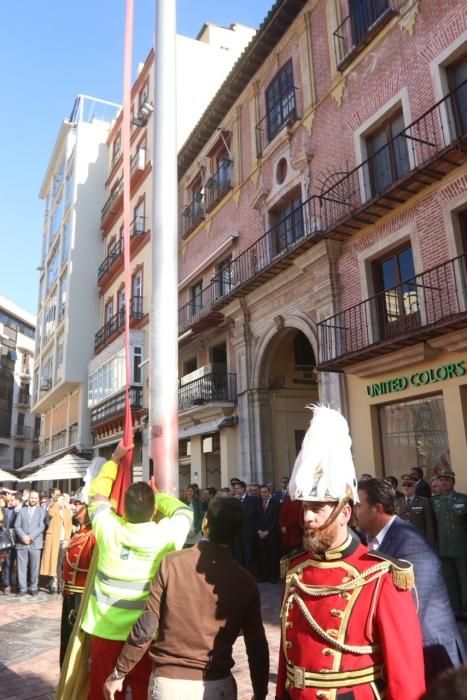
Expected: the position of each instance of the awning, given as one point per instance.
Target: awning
(46, 459)
(69, 466)
(211, 426)
(6, 476)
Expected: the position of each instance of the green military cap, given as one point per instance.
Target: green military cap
(408, 478)
(447, 472)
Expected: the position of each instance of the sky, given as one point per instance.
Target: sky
(51, 51)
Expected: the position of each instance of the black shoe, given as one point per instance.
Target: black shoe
(21, 593)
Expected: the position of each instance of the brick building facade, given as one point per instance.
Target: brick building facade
(320, 188)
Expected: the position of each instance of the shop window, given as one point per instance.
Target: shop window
(280, 100)
(397, 293)
(388, 155)
(457, 80)
(287, 224)
(413, 433)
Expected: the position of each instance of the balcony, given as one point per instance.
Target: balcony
(113, 202)
(360, 26)
(113, 262)
(435, 144)
(215, 386)
(219, 184)
(284, 113)
(420, 308)
(23, 432)
(116, 323)
(115, 406)
(193, 214)
(24, 398)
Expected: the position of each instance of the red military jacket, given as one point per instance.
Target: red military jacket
(77, 560)
(347, 629)
(290, 518)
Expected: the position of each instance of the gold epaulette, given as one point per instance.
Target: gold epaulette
(287, 561)
(401, 571)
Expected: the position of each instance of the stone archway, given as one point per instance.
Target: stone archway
(286, 379)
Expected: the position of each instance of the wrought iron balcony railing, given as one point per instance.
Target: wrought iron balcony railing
(137, 228)
(116, 192)
(219, 184)
(416, 309)
(193, 214)
(218, 385)
(420, 154)
(115, 405)
(24, 398)
(23, 431)
(116, 323)
(356, 30)
(283, 113)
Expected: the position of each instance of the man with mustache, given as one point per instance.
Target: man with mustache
(349, 625)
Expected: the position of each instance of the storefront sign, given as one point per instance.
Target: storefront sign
(417, 379)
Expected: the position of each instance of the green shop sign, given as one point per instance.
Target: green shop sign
(417, 379)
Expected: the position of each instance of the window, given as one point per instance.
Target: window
(218, 354)
(18, 457)
(388, 154)
(66, 242)
(121, 303)
(287, 224)
(280, 100)
(37, 427)
(196, 298)
(143, 95)
(397, 303)
(137, 369)
(109, 311)
(55, 221)
(363, 14)
(50, 316)
(413, 432)
(107, 379)
(224, 277)
(116, 148)
(59, 360)
(53, 268)
(137, 288)
(69, 185)
(457, 78)
(62, 296)
(221, 167)
(190, 365)
(139, 218)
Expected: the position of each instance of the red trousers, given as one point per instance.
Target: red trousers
(104, 654)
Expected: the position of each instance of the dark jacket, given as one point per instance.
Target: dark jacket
(267, 519)
(207, 582)
(442, 644)
(419, 514)
(423, 489)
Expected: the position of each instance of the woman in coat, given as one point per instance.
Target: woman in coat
(56, 541)
(196, 506)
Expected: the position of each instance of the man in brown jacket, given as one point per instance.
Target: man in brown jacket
(199, 602)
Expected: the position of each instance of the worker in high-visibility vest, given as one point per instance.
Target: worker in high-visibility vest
(130, 551)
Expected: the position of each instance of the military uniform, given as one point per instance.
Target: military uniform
(349, 628)
(451, 516)
(75, 570)
(418, 513)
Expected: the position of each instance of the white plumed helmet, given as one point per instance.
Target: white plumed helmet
(324, 469)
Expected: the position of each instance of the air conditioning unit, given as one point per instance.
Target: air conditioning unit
(143, 115)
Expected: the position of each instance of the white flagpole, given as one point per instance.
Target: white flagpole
(164, 292)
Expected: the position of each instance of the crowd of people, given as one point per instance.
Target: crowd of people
(40, 527)
(374, 579)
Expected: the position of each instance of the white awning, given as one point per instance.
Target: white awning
(46, 459)
(69, 466)
(6, 476)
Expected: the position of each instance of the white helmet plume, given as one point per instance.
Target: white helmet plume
(324, 469)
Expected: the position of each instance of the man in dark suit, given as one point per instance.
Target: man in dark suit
(29, 528)
(416, 510)
(422, 487)
(242, 546)
(266, 527)
(386, 532)
(281, 495)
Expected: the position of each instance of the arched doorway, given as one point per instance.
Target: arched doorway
(288, 382)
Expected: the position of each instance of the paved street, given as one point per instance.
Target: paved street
(29, 630)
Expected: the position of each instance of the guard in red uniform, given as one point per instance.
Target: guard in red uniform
(350, 629)
(75, 570)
